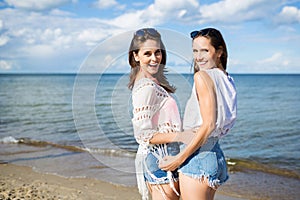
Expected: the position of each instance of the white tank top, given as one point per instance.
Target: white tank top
(226, 104)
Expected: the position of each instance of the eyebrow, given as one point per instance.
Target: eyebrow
(201, 49)
(147, 51)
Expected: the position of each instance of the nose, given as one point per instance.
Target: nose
(198, 56)
(153, 57)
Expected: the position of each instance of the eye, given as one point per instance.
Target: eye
(204, 50)
(195, 50)
(158, 52)
(147, 53)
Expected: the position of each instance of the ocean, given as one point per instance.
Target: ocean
(80, 126)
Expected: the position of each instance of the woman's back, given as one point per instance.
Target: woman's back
(226, 104)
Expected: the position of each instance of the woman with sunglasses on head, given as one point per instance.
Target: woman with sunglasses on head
(211, 113)
(156, 116)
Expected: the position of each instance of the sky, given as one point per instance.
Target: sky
(73, 36)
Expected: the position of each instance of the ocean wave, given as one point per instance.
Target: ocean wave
(111, 152)
(9, 140)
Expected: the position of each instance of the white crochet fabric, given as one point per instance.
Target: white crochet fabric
(154, 110)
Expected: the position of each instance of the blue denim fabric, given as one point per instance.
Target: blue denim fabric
(159, 176)
(207, 161)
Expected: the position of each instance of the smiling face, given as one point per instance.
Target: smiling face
(205, 55)
(149, 57)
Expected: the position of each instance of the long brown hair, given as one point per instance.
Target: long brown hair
(140, 36)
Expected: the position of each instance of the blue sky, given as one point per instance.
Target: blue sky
(62, 36)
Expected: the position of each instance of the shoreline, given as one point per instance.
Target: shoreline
(22, 182)
(29, 170)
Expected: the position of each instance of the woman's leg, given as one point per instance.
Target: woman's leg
(194, 189)
(163, 191)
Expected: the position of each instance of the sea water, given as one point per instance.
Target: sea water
(80, 125)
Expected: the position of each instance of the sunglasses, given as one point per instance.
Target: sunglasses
(143, 32)
(203, 32)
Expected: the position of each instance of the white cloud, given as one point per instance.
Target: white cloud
(277, 59)
(180, 10)
(55, 37)
(91, 36)
(4, 65)
(40, 50)
(232, 11)
(59, 31)
(3, 37)
(192, 12)
(3, 40)
(1, 24)
(105, 4)
(57, 12)
(37, 5)
(288, 15)
(158, 13)
(274, 57)
(40, 38)
(129, 20)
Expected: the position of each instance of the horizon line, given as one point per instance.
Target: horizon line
(119, 73)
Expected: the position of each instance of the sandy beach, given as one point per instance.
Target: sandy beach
(21, 182)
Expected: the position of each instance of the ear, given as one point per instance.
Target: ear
(136, 57)
(220, 52)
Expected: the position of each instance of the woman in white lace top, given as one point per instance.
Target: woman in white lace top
(155, 115)
(211, 112)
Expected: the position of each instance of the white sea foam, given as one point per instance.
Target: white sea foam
(8, 140)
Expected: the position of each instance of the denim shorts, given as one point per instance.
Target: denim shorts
(152, 173)
(207, 162)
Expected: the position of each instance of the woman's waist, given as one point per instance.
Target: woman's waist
(211, 144)
(216, 133)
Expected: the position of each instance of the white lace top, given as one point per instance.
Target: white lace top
(226, 105)
(154, 110)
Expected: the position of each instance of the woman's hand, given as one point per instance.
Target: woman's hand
(170, 163)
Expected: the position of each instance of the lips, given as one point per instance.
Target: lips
(153, 65)
(202, 63)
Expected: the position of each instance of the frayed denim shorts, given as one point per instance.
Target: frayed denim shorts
(206, 162)
(152, 173)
